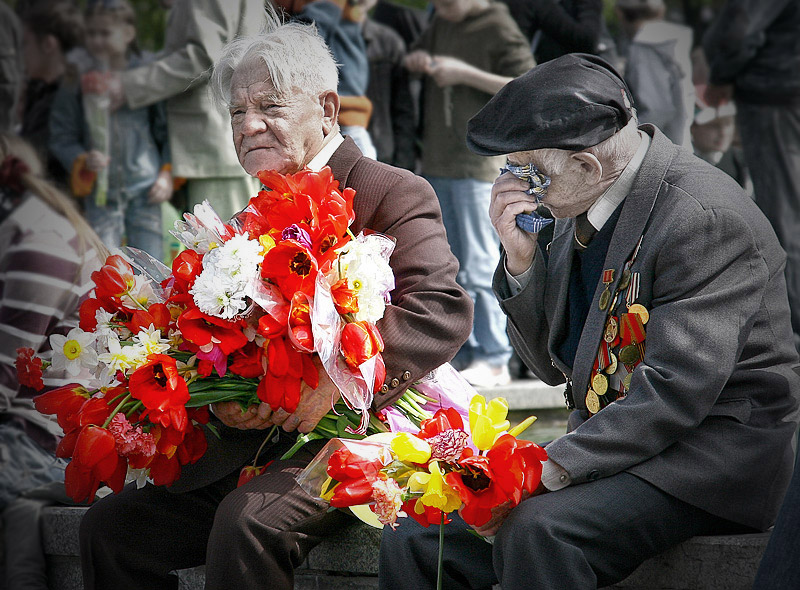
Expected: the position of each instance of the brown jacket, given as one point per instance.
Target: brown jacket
(430, 316)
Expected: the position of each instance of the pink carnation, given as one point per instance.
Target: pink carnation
(388, 501)
(130, 440)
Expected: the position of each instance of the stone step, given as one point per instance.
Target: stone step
(527, 394)
(349, 561)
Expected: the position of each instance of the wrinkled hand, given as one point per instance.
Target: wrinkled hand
(716, 96)
(508, 199)
(115, 91)
(314, 404)
(417, 61)
(96, 161)
(255, 417)
(448, 71)
(161, 190)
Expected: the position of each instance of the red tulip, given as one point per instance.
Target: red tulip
(360, 342)
(202, 329)
(344, 298)
(65, 402)
(186, 267)
(114, 279)
(88, 312)
(291, 266)
(162, 391)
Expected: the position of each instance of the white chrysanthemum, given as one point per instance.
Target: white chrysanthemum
(73, 351)
(366, 267)
(216, 294)
(151, 340)
(238, 257)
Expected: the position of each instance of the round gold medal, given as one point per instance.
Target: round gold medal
(641, 311)
(600, 384)
(592, 402)
(629, 354)
(612, 365)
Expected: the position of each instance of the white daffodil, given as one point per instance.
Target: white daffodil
(73, 351)
(151, 340)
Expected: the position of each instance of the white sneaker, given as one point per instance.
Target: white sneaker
(482, 374)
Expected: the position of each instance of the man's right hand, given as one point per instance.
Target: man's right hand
(255, 417)
(509, 197)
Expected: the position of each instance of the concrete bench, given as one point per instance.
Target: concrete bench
(349, 561)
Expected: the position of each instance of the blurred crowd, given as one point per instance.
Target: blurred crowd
(129, 139)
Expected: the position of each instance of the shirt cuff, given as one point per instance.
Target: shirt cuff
(554, 477)
(519, 282)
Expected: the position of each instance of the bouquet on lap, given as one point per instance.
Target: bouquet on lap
(249, 312)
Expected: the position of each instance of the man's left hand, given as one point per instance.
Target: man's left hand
(314, 404)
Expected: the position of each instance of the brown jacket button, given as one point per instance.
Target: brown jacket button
(394, 382)
(406, 375)
(384, 388)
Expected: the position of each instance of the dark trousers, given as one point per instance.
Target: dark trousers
(249, 537)
(771, 144)
(780, 565)
(582, 537)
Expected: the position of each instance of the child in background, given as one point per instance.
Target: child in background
(135, 160)
(470, 50)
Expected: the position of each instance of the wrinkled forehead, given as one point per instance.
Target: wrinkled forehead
(249, 79)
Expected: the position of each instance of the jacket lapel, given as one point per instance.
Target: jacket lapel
(632, 224)
(561, 252)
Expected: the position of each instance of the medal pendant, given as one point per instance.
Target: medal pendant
(626, 383)
(629, 355)
(612, 329)
(600, 384)
(605, 298)
(625, 279)
(612, 366)
(641, 311)
(592, 402)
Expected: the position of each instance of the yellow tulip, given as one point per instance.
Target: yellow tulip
(522, 426)
(436, 492)
(410, 448)
(487, 421)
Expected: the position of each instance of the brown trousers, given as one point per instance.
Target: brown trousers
(248, 537)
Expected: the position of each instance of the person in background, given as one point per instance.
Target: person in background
(47, 253)
(392, 125)
(470, 50)
(136, 158)
(658, 67)
(660, 262)
(714, 140)
(754, 59)
(50, 30)
(11, 70)
(199, 130)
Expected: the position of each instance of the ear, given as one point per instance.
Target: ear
(590, 166)
(329, 101)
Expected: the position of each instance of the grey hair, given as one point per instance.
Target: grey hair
(615, 151)
(294, 53)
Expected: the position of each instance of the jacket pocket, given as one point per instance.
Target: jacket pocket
(738, 409)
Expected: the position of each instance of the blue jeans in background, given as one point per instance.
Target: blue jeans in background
(130, 215)
(472, 238)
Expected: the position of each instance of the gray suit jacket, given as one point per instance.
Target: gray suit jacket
(711, 410)
(430, 316)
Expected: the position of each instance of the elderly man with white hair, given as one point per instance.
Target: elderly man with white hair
(280, 88)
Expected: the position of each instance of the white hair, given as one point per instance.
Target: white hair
(294, 53)
(614, 152)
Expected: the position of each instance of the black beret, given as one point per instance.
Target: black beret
(572, 102)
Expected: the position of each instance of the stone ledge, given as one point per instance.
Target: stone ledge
(527, 394)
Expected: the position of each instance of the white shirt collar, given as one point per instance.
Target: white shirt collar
(608, 202)
(321, 159)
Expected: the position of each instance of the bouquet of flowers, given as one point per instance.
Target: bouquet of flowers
(444, 466)
(250, 311)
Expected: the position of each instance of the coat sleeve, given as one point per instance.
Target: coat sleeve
(737, 35)
(203, 27)
(431, 315)
(700, 318)
(67, 140)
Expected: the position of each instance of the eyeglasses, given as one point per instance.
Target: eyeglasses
(537, 180)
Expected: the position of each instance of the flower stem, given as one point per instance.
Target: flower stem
(261, 448)
(441, 554)
(117, 409)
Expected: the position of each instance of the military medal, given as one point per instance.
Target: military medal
(592, 402)
(612, 364)
(611, 331)
(629, 355)
(641, 311)
(605, 296)
(600, 384)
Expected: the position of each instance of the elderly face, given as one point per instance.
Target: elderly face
(272, 132)
(570, 192)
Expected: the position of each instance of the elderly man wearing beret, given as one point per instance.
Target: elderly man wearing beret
(660, 300)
